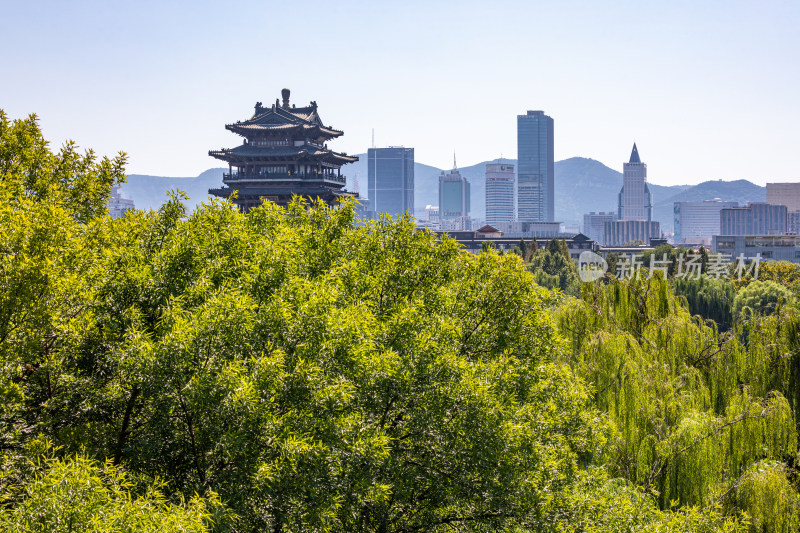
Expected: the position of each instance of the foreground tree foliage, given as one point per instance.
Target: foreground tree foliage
(76, 495)
(317, 375)
(709, 298)
(290, 370)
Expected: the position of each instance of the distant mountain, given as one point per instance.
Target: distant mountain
(581, 185)
(149, 192)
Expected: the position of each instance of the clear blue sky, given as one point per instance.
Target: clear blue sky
(708, 90)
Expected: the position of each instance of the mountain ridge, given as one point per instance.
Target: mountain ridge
(582, 185)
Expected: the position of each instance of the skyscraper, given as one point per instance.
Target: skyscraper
(635, 200)
(454, 202)
(635, 210)
(535, 168)
(499, 193)
(390, 180)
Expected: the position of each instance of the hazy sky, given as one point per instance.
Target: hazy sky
(708, 90)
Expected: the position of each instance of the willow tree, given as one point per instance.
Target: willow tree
(708, 297)
(691, 409)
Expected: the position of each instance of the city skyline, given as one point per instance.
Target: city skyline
(708, 88)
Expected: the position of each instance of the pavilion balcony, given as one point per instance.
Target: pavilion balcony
(281, 176)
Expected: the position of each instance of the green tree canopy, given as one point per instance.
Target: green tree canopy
(73, 181)
(553, 268)
(693, 411)
(708, 297)
(73, 494)
(761, 297)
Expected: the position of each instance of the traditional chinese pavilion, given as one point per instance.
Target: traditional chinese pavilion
(284, 154)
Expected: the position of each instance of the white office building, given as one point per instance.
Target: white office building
(500, 180)
(698, 222)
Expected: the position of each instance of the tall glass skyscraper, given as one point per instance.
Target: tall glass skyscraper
(535, 168)
(390, 181)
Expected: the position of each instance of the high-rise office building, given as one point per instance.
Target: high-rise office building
(499, 193)
(390, 177)
(757, 218)
(697, 222)
(787, 194)
(535, 168)
(635, 208)
(635, 200)
(454, 196)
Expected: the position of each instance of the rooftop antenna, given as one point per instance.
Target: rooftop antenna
(455, 167)
(373, 137)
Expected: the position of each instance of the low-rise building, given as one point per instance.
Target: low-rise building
(473, 241)
(630, 232)
(775, 247)
(529, 230)
(593, 224)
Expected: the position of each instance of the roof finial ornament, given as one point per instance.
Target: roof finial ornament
(285, 95)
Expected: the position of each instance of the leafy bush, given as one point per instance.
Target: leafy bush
(761, 297)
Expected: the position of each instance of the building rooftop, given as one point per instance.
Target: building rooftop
(635, 155)
(282, 119)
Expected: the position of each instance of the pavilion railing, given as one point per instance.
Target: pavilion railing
(276, 176)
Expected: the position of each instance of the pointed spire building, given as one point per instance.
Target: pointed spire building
(635, 200)
(635, 211)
